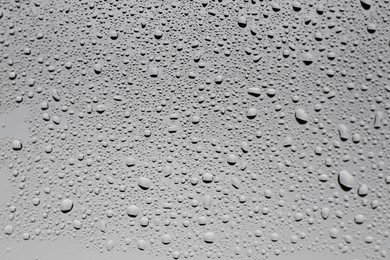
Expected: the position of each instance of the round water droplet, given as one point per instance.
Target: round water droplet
(142, 244)
(251, 113)
(333, 233)
(130, 161)
(16, 145)
(242, 21)
(359, 219)
(8, 230)
(363, 190)
(110, 245)
(207, 177)
(98, 68)
(133, 211)
(66, 205)
(232, 159)
(209, 237)
(166, 239)
(301, 116)
(346, 180)
(144, 183)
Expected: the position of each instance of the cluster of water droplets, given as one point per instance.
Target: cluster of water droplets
(231, 129)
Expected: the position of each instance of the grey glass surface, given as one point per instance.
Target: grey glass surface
(246, 129)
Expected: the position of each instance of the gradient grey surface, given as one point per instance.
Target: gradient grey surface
(221, 129)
